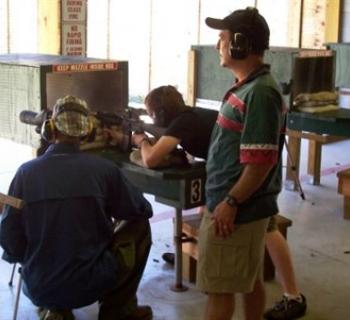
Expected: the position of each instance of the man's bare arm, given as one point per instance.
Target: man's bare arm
(251, 179)
(153, 155)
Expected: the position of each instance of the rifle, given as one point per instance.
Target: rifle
(34, 118)
(127, 122)
(130, 122)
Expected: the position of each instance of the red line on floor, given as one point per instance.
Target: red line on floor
(327, 171)
(171, 214)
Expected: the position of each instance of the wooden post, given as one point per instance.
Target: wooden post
(332, 21)
(191, 78)
(62, 27)
(49, 16)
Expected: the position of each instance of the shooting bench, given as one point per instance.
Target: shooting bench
(316, 141)
(181, 187)
(190, 226)
(344, 189)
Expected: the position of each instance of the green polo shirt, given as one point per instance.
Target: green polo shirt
(249, 129)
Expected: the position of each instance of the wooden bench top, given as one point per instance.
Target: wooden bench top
(344, 174)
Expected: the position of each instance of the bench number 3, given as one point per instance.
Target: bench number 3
(196, 190)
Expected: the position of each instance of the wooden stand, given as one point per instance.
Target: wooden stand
(314, 155)
(344, 189)
(190, 226)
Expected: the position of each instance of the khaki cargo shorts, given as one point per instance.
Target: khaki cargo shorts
(233, 264)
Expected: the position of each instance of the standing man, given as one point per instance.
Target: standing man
(191, 128)
(64, 236)
(243, 171)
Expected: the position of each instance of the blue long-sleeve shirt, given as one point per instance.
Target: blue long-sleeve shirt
(61, 235)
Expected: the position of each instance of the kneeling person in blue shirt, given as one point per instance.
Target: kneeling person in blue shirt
(64, 236)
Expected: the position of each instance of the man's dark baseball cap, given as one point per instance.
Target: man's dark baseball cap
(249, 22)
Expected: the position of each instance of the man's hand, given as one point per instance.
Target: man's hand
(137, 138)
(224, 217)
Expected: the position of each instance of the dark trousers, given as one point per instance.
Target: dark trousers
(131, 246)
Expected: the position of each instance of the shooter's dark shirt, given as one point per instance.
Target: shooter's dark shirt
(193, 128)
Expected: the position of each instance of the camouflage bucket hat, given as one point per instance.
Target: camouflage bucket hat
(70, 115)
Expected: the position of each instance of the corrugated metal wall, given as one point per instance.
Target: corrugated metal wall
(20, 89)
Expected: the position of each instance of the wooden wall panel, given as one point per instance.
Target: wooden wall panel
(332, 27)
(49, 17)
(4, 41)
(282, 33)
(314, 22)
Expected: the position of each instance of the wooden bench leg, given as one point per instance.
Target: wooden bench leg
(346, 208)
(344, 189)
(314, 162)
(293, 163)
(189, 268)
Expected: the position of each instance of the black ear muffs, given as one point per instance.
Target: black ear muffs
(47, 131)
(91, 135)
(160, 117)
(240, 46)
(241, 41)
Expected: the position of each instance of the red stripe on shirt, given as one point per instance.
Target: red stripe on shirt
(235, 102)
(229, 124)
(258, 156)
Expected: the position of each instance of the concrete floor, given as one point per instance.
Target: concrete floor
(319, 240)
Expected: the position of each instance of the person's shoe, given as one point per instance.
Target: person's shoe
(141, 313)
(286, 309)
(46, 314)
(169, 257)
